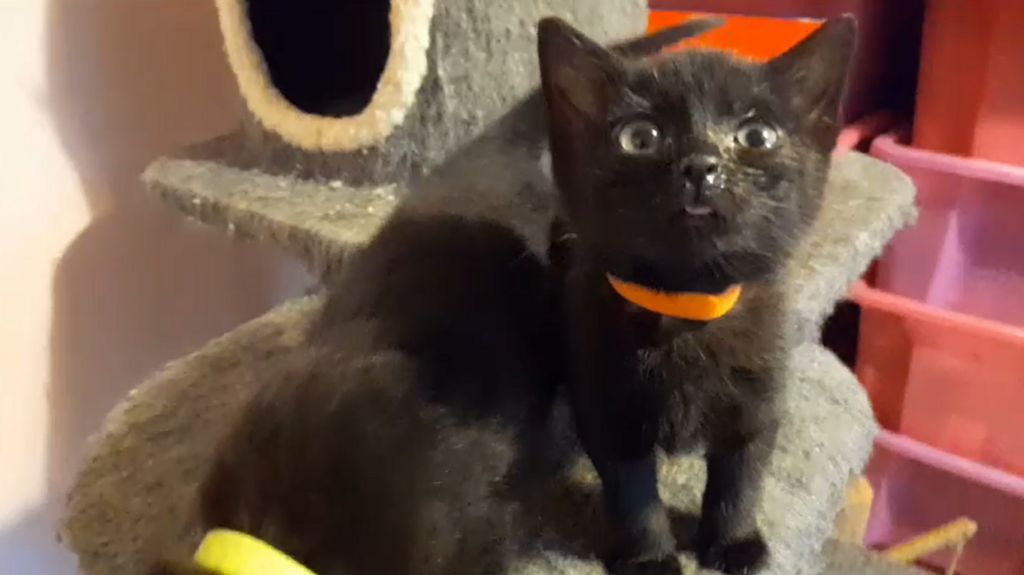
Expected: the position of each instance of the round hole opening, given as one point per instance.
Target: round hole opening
(324, 56)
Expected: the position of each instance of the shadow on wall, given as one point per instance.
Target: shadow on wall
(139, 286)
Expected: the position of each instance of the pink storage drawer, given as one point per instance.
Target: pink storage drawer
(950, 380)
(918, 488)
(966, 252)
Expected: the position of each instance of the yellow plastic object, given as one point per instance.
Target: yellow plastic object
(852, 521)
(683, 305)
(228, 552)
(954, 534)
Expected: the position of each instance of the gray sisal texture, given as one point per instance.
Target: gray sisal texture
(133, 499)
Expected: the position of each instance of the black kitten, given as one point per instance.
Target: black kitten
(388, 444)
(684, 173)
(384, 444)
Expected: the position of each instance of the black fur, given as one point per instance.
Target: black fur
(389, 442)
(385, 444)
(665, 219)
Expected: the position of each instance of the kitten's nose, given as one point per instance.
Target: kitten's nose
(702, 177)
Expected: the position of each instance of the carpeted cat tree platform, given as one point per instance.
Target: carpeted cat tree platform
(348, 106)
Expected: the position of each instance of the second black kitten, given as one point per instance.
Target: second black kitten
(694, 173)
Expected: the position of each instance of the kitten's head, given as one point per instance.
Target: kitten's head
(696, 170)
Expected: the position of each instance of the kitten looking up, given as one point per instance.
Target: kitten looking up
(687, 174)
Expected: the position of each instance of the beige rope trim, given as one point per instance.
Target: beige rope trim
(396, 90)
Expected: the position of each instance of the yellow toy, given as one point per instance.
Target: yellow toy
(852, 521)
(227, 552)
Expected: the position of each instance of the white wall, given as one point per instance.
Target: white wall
(100, 284)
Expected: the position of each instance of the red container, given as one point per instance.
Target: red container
(970, 94)
(917, 488)
(964, 253)
(888, 34)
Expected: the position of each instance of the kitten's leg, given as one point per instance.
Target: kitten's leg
(644, 540)
(617, 436)
(616, 417)
(728, 538)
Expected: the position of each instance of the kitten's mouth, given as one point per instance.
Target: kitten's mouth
(699, 210)
(706, 217)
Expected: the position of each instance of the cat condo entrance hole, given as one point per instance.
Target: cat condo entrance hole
(324, 57)
(328, 75)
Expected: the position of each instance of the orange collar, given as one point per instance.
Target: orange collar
(683, 305)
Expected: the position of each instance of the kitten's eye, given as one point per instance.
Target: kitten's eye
(757, 136)
(639, 137)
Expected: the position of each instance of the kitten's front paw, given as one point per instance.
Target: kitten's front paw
(667, 565)
(652, 554)
(742, 557)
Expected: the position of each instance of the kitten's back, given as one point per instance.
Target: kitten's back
(383, 446)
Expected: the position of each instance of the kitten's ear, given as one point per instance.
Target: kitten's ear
(814, 71)
(577, 74)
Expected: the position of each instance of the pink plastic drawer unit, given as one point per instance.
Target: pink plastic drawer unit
(950, 380)
(966, 252)
(918, 488)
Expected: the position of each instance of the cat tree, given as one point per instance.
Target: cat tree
(347, 106)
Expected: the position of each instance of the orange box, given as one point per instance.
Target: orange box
(756, 38)
(884, 69)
